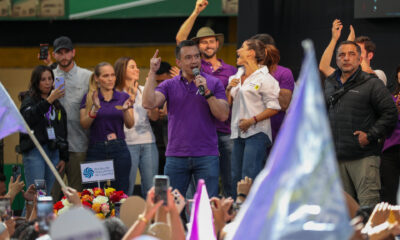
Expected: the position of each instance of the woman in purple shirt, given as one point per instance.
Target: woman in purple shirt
(390, 158)
(105, 111)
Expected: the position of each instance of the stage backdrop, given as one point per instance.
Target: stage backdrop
(291, 21)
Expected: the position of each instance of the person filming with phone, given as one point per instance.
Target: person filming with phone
(47, 118)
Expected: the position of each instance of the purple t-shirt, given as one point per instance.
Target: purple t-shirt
(108, 119)
(394, 138)
(191, 125)
(222, 73)
(286, 81)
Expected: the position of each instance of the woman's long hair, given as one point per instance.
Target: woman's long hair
(93, 85)
(120, 67)
(266, 54)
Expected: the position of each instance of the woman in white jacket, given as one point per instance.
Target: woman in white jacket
(253, 93)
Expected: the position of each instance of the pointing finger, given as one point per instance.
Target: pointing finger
(156, 54)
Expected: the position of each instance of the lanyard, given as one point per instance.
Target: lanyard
(50, 115)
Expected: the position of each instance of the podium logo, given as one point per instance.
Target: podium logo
(88, 172)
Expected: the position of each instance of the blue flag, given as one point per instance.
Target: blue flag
(11, 120)
(298, 195)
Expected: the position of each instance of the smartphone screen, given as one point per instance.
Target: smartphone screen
(44, 213)
(161, 185)
(44, 51)
(40, 185)
(58, 81)
(5, 208)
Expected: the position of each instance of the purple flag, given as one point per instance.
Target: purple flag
(11, 120)
(201, 219)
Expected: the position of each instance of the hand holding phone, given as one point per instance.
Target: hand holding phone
(44, 51)
(161, 185)
(5, 208)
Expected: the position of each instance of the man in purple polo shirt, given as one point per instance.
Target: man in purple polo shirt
(192, 138)
(209, 43)
(285, 79)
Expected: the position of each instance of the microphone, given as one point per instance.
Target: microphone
(196, 72)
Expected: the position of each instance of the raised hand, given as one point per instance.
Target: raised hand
(128, 104)
(200, 6)
(72, 196)
(233, 83)
(96, 100)
(174, 71)
(352, 34)
(155, 62)
(56, 94)
(336, 29)
(30, 194)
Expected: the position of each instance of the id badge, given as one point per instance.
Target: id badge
(50, 133)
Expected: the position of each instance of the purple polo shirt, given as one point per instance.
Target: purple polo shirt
(222, 73)
(108, 119)
(286, 81)
(394, 138)
(191, 125)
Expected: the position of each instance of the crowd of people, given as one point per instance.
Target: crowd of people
(221, 124)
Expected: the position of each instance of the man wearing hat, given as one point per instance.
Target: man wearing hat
(76, 82)
(209, 43)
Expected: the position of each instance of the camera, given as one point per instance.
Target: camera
(59, 143)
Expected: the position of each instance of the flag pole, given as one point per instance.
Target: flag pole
(45, 157)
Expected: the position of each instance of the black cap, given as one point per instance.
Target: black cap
(62, 42)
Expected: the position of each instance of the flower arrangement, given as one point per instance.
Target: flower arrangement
(102, 202)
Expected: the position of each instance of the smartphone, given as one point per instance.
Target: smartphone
(5, 208)
(16, 171)
(161, 185)
(44, 51)
(58, 81)
(40, 185)
(179, 200)
(44, 213)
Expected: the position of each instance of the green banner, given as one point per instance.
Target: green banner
(109, 9)
(105, 9)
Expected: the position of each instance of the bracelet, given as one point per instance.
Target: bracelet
(242, 195)
(29, 202)
(142, 218)
(208, 94)
(91, 115)
(255, 119)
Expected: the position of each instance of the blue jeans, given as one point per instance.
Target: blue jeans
(144, 156)
(116, 150)
(36, 168)
(181, 169)
(248, 156)
(225, 145)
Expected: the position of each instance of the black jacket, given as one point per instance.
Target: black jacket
(34, 112)
(367, 107)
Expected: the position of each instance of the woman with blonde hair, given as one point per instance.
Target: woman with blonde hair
(106, 111)
(253, 93)
(140, 139)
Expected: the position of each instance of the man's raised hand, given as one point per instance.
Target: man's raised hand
(336, 29)
(155, 62)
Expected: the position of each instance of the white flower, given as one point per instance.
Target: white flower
(66, 203)
(122, 200)
(100, 200)
(63, 210)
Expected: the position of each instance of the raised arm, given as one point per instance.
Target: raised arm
(151, 98)
(187, 26)
(325, 63)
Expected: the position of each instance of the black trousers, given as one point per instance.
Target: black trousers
(390, 172)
